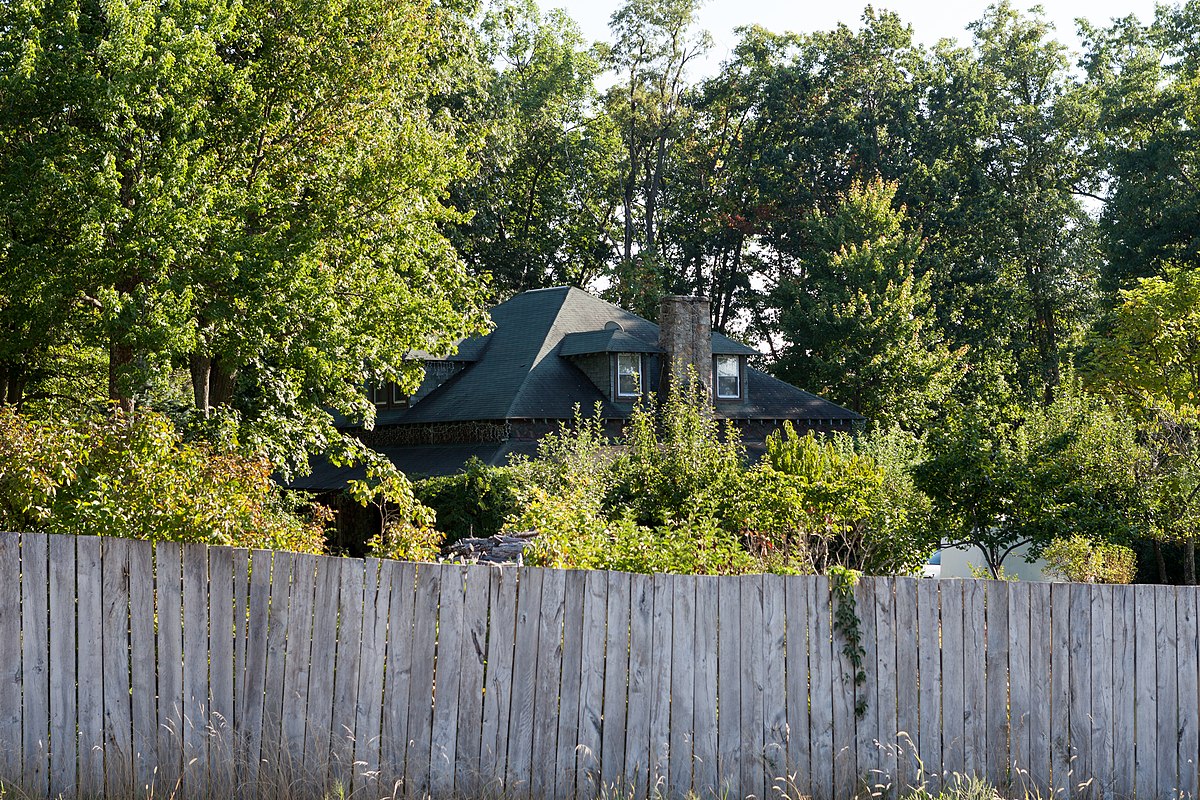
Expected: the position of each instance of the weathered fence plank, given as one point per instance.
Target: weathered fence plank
(318, 729)
(573, 634)
(1146, 696)
(395, 735)
(928, 632)
(616, 681)
(866, 694)
(1018, 684)
(1124, 691)
(90, 659)
(974, 678)
(729, 686)
(419, 755)
(368, 713)
(351, 615)
(1060, 691)
(35, 654)
(299, 663)
(774, 660)
(118, 725)
(1040, 643)
(907, 696)
(11, 716)
(1186, 663)
(195, 668)
(520, 722)
(63, 669)
(448, 675)
(753, 774)
(220, 669)
(682, 687)
(1081, 681)
(1166, 632)
(704, 709)
(591, 685)
(1102, 690)
(953, 703)
(493, 749)
(885, 679)
(143, 666)
(997, 684)
(796, 618)
(252, 673)
(821, 668)
(548, 682)
(637, 723)
(471, 681)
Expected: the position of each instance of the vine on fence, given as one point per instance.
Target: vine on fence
(847, 622)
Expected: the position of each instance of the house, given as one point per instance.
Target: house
(553, 350)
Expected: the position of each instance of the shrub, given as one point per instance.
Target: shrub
(134, 477)
(1077, 558)
(474, 502)
(818, 503)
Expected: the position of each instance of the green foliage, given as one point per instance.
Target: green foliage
(246, 194)
(678, 463)
(406, 526)
(542, 201)
(858, 318)
(474, 502)
(1001, 480)
(674, 495)
(816, 504)
(135, 477)
(847, 623)
(1076, 558)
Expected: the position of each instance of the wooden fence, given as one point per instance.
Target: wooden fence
(126, 667)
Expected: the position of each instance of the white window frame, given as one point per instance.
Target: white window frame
(637, 375)
(379, 395)
(737, 364)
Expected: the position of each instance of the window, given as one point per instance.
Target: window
(399, 398)
(729, 377)
(629, 374)
(379, 395)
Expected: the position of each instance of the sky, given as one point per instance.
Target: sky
(931, 20)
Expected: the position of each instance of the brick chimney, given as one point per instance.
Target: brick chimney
(685, 336)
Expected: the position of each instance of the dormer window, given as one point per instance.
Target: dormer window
(629, 374)
(729, 377)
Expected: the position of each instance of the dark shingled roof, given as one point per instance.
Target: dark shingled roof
(519, 371)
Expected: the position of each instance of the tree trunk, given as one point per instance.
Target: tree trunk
(120, 357)
(1189, 563)
(1161, 562)
(222, 380)
(200, 368)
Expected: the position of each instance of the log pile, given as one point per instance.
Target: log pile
(503, 548)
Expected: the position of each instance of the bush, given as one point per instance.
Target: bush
(475, 502)
(1077, 558)
(818, 503)
(134, 477)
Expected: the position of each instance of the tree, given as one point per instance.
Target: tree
(1001, 479)
(251, 192)
(653, 43)
(856, 314)
(1147, 159)
(1148, 351)
(544, 200)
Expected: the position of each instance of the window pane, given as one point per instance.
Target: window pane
(629, 366)
(729, 377)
